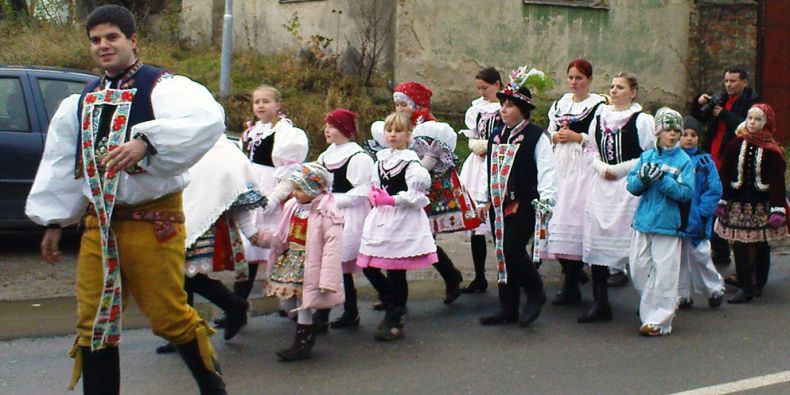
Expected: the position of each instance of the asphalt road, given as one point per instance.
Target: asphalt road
(447, 352)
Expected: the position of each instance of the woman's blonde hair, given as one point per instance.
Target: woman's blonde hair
(631, 80)
(397, 119)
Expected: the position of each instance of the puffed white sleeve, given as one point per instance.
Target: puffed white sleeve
(547, 178)
(645, 126)
(470, 120)
(552, 128)
(359, 174)
(290, 149)
(418, 180)
(56, 196)
(188, 121)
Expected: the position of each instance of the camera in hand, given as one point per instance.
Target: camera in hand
(717, 98)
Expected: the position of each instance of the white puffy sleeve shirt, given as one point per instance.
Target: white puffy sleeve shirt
(418, 180)
(188, 121)
(290, 149)
(645, 126)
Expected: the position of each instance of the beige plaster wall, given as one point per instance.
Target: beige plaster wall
(444, 43)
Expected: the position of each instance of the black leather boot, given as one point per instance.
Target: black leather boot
(451, 276)
(304, 340)
(600, 310)
(762, 268)
(209, 382)
(321, 321)
(391, 328)
(101, 371)
(744, 268)
(167, 348)
(479, 284)
(508, 306)
(531, 310)
(234, 306)
(379, 282)
(350, 317)
(570, 293)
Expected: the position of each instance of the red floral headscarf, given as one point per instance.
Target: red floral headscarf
(421, 96)
(765, 137)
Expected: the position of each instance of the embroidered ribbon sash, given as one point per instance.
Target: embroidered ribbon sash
(502, 157)
(107, 325)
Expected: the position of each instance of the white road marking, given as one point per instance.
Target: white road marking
(740, 385)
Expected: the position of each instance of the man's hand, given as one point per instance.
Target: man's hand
(703, 98)
(717, 110)
(125, 155)
(49, 246)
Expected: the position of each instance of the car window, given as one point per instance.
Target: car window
(54, 91)
(13, 110)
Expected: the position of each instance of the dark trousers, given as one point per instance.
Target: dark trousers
(521, 271)
(243, 288)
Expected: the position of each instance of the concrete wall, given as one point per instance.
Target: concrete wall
(445, 49)
(259, 24)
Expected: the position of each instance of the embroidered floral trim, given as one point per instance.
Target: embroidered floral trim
(502, 158)
(103, 186)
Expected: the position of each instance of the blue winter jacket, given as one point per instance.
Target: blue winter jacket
(663, 207)
(707, 192)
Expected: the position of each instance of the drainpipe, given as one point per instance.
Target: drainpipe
(227, 46)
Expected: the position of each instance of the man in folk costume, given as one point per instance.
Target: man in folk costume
(521, 180)
(117, 154)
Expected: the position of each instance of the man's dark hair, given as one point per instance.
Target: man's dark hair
(113, 15)
(742, 73)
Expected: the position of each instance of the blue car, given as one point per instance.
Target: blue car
(29, 96)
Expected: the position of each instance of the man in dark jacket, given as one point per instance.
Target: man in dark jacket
(723, 110)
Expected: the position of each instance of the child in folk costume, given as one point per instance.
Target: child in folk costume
(275, 148)
(619, 134)
(451, 209)
(664, 178)
(569, 123)
(397, 234)
(753, 209)
(306, 251)
(352, 169)
(697, 271)
(219, 205)
(473, 174)
(521, 173)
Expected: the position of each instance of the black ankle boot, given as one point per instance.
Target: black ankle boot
(101, 371)
(304, 340)
(350, 317)
(452, 289)
(209, 382)
(570, 293)
(531, 310)
(741, 296)
(509, 295)
(391, 328)
(321, 321)
(167, 348)
(744, 269)
(600, 310)
(477, 286)
(236, 319)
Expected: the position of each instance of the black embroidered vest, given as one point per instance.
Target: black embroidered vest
(262, 152)
(620, 147)
(393, 180)
(340, 182)
(141, 77)
(582, 123)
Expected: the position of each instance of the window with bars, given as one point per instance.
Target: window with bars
(599, 4)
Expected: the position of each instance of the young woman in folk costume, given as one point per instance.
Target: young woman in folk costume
(521, 178)
(569, 121)
(451, 209)
(483, 110)
(618, 136)
(352, 169)
(276, 148)
(753, 208)
(219, 205)
(397, 234)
